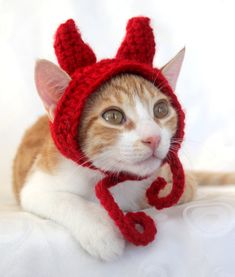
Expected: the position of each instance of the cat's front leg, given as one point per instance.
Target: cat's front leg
(88, 222)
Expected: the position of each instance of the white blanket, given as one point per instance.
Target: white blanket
(195, 239)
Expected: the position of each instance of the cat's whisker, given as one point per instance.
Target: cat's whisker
(104, 160)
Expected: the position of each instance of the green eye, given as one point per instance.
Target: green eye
(161, 109)
(114, 116)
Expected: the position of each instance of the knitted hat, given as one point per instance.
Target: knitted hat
(135, 55)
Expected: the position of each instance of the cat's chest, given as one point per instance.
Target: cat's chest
(76, 179)
(79, 180)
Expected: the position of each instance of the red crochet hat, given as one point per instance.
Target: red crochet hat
(135, 55)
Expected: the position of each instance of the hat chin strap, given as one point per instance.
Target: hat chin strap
(129, 222)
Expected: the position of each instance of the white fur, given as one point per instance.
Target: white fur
(63, 198)
(68, 195)
(68, 198)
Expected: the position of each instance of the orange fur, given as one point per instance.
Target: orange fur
(171, 123)
(36, 146)
(214, 178)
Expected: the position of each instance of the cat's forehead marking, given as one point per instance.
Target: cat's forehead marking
(141, 108)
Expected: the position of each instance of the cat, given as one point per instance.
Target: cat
(124, 123)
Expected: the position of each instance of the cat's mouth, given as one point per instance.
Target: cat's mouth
(148, 160)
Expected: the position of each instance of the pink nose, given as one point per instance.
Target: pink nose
(153, 142)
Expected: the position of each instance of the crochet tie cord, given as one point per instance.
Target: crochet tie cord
(135, 56)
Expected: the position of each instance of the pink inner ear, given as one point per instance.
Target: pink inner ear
(172, 69)
(51, 83)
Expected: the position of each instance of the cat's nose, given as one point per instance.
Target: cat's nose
(153, 141)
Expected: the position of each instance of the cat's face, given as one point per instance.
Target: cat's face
(127, 126)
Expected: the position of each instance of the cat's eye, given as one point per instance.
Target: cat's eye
(161, 109)
(114, 116)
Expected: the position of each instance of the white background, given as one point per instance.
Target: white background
(206, 84)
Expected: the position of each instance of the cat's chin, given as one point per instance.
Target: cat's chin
(142, 168)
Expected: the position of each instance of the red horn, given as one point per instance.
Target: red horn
(138, 44)
(70, 49)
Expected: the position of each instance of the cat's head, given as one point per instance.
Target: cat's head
(117, 114)
(126, 125)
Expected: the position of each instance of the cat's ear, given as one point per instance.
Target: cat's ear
(172, 69)
(51, 82)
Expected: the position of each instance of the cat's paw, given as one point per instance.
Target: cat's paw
(98, 234)
(102, 241)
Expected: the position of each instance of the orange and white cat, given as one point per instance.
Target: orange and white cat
(127, 126)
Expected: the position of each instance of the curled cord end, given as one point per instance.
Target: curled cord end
(173, 197)
(128, 224)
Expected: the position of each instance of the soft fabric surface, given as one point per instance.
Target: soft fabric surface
(195, 239)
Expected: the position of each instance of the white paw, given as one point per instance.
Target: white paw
(102, 241)
(100, 237)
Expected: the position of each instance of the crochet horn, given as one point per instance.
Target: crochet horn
(71, 51)
(138, 44)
